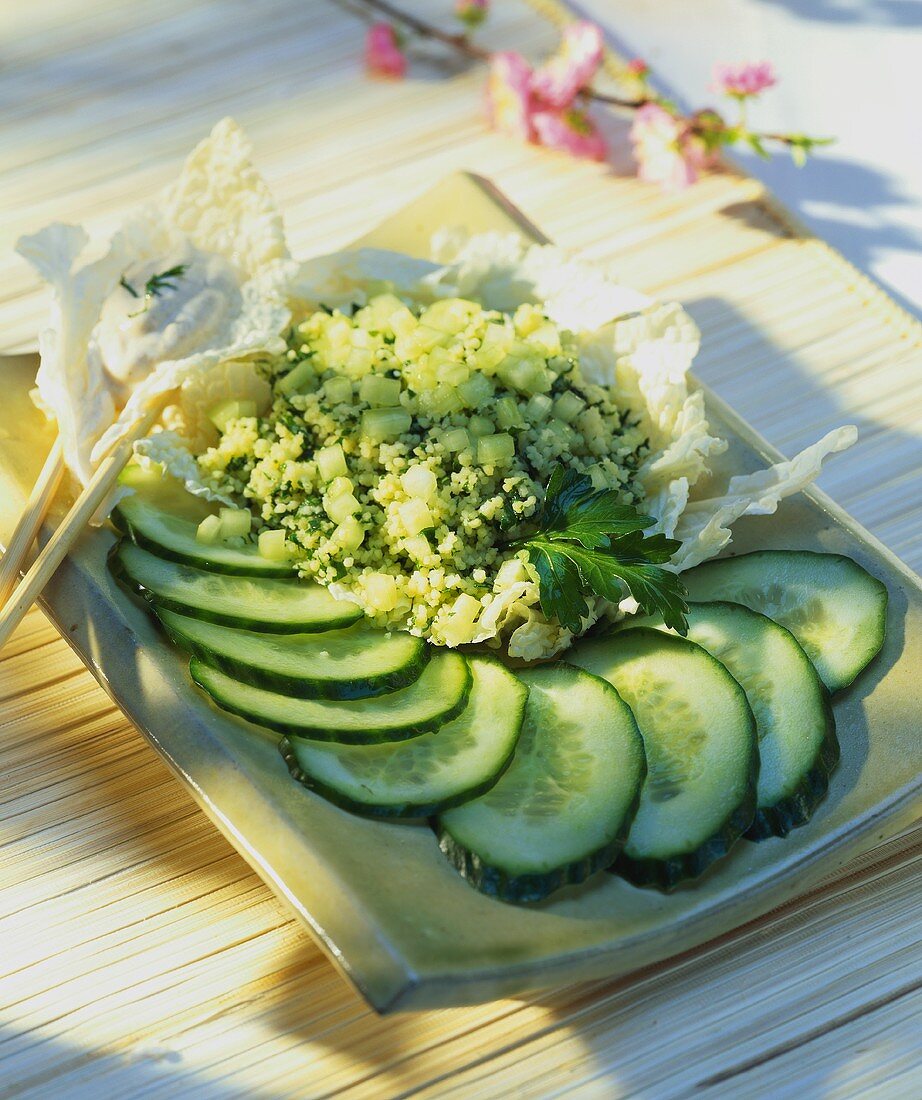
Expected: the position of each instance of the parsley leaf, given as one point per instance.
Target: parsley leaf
(589, 545)
(573, 510)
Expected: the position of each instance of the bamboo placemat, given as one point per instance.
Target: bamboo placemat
(139, 955)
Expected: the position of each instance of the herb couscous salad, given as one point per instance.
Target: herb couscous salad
(406, 450)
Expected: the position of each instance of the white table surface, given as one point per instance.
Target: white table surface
(851, 69)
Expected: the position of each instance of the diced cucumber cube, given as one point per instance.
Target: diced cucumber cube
(235, 522)
(381, 309)
(561, 430)
(456, 440)
(403, 322)
(568, 406)
(597, 476)
(331, 462)
(379, 392)
(507, 413)
(538, 408)
(298, 380)
(442, 401)
(338, 391)
(480, 425)
(415, 516)
(418, 548)
(221, 415)
(476, 391)
(448, 368)
(381, 591)
(274, 546)
(421, 340)
(209, 530)
(383, 424)
(349, 534)
(487, 357)
(495, 450)
(419, 481)
(450, 315)
(498, 334)
(525, 375)
(339, 486)
(527, 318)
(359, 361)
(338, 508)
(546, 338)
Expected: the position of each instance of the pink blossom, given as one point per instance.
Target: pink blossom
(570, 131)
(509, 101)
(383, 56)
(667, 151)
(638, 67)
(572, 68)
(743, 80)
(472, 12)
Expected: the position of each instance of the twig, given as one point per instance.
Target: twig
(463, 45)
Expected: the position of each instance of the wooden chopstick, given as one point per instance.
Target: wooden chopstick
(83, 510)
(13, 561)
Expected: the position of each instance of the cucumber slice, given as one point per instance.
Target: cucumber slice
(438, 696)
(355, 663)
(251, 603)
(171, 536)
(833, 607)
(427, 774)
(794, 720)
(702, 753)
(564, 806)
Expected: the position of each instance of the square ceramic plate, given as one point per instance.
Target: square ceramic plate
(380, 898)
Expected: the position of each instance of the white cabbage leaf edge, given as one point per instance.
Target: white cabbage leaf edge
(221, 204)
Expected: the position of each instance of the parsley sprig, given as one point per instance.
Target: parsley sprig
(155, 285)
(588, 544)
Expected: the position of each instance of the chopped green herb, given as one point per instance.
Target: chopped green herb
(155, 285)
(589, 544)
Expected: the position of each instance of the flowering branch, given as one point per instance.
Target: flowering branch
(461, 43)
(549, 105)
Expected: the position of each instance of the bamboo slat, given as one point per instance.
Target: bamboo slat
(139, 955)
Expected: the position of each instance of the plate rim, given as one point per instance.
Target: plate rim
(395, 982)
